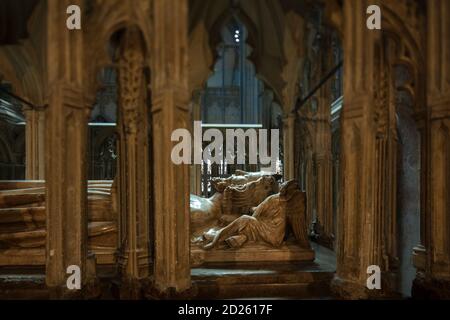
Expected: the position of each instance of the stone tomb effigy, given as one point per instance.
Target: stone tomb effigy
(250, 218)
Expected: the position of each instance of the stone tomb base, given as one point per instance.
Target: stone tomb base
(288, 252)
(36, 256)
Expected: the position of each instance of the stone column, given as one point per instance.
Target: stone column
(434, 279)
(196, 169)
(324, 223)
(170, 111)
(34, 142)
(387, 137)
(65, 158)
(288, 146)
(133, 178)
(360, 228)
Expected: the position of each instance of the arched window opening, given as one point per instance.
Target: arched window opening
(235, 97)
(408, 177)
(102, 128)
(12, 128)
(337, 86)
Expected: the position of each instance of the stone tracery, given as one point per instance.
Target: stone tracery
(349, 154)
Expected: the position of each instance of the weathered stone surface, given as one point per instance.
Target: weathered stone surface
(358, 164)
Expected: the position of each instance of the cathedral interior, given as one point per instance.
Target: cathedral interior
(361, 181)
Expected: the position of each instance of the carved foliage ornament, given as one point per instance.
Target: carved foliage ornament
(131, 77)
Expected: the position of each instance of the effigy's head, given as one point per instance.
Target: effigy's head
(269, 183)
(288, 188)
(261, 179)
(218, 184)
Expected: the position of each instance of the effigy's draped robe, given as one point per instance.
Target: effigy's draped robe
(267, 223)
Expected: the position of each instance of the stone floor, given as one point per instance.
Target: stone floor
(309, 280)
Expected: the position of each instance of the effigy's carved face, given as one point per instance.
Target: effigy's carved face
(270, 183)
(218, 184)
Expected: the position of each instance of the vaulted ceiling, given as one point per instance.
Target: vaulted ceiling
(266, 25)
(14, 15)
(22, 47)
(276, 32)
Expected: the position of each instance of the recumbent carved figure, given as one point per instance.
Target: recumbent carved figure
(227, 204)
(269, 222)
